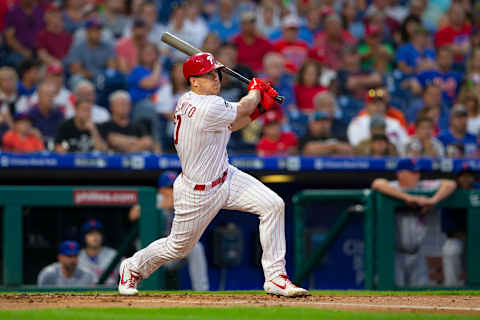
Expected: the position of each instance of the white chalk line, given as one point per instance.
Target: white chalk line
(315, 303)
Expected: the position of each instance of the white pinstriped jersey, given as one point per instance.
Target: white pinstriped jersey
(202, 131)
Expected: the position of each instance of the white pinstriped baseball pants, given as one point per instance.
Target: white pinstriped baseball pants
(195, 209)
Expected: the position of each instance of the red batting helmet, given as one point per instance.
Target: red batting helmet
(200, 63)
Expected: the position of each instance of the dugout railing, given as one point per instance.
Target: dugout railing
(14, 198)
(379, 232)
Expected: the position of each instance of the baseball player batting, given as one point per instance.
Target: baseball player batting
(203, 125)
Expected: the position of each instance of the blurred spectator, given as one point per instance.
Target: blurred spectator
(432, 98)
(290, 46)
(223, 23)
(86, 91)
(274, 71)
(251, 47)
(473, 67)
(410, 263)
(350, 18)
(417, 9)
(89, 59)
(196, 259)
(411, 56)
(352, 80)
(378, 144)
(470, 99)
(127, 48)
(148, 14)
(146, 77)
(29, 72)
(320, 140)
(443, 75)
(328, 44)
(454, 225)
(395, 13)
(275, 142)
(409, 26)
(268, 19)
(308, 85)
(165, 100)
(80, 35)
(325, 102)
(457, 133)
(66, 273)
(375, 103)
(53, 42)
(22, 23)
(45, 116)
(113, 17)
(120, 133)
(79, 134)
(73, 15)
(22, 138)
(211, 43)
(8, 93)
(176, 26)
(195, 26)
(96, 257)
(456, 34)
(424, 143)
(373, 51)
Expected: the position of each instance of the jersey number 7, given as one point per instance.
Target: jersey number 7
(178, 122)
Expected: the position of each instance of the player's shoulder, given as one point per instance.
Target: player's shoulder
(51, 269)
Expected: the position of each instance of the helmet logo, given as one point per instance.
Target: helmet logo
(210, 58)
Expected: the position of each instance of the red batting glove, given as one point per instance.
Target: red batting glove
(268, 93)
(256, 84)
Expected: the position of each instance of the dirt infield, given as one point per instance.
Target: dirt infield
(382, 303)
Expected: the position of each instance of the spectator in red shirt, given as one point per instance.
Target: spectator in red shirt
(290, 46)
(127, 48)
(23, 137)
(275, 142)
(456, 33)
(329, 44)
(53, 42)
(251, 47)
(308, 85)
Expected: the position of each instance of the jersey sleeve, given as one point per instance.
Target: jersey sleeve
(220, 114)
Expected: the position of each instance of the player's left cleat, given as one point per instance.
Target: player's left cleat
(282, 286)
(128, 280)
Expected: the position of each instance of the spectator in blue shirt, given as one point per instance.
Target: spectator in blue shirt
(45, 117)
(443, 76)
(29, 72)
(223, 23)
(412, 54)
(457, 133)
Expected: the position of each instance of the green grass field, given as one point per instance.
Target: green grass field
(231, 313)
(269, 313)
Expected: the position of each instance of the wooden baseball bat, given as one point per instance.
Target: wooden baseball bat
(190, 50)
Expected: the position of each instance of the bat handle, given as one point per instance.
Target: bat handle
(279, 99)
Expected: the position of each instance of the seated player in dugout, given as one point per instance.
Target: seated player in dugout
(204, 122)
(196, 259)
(66, 272)
(411, 268)
(96, 257)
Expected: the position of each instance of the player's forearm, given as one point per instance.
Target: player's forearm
(384, 187)
(447, 187)
(248, 103)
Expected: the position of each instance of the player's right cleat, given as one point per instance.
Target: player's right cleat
(128, 280)
(282, 286)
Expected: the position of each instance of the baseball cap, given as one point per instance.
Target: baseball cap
(320, 115)
(166, 179)
(291, 21)
(462, 167)
(93, 23)
(92, 224)
(248, 16)
(326, 11)
(55, 69)
(379, 136)
(69, 248)
(22, 116)
(272, 117)
(377, 120)
(52, 7)
(459, 110)
(409, 164)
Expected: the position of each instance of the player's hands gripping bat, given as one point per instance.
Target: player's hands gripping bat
(190, 50)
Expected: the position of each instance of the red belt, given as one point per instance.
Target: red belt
(202, 187)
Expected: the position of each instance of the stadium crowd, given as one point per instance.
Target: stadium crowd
(360, 77)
